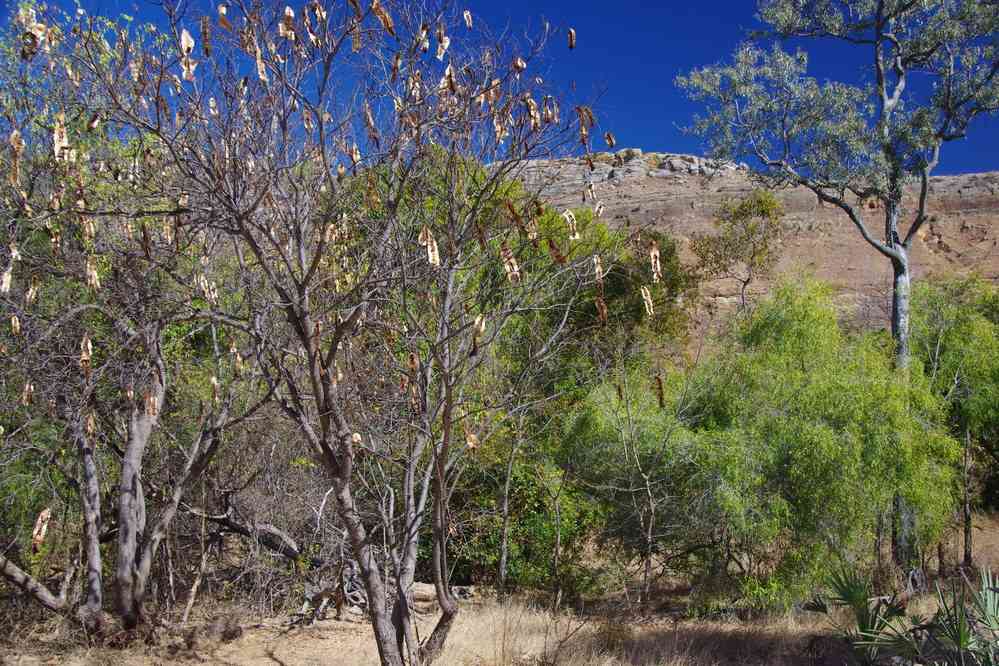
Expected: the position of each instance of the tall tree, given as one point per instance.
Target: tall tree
(932, 70)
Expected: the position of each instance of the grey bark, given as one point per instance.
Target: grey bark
(90, 613)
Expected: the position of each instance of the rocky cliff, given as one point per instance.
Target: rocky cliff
(679, 194)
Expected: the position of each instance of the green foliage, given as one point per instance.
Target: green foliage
(955, 332)
(747, 243)
(771, 460)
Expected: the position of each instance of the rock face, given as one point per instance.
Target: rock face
(679, 194)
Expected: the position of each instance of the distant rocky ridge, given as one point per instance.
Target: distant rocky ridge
(679, 194)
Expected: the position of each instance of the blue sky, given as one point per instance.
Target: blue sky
(629, 52)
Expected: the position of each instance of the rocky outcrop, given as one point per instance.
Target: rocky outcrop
(679, 194)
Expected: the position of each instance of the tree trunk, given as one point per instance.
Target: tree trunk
(388, 650)
(90, 613)
(505, 509)
(900, 306)
(904, 523)
(966, 500)
(130, 587)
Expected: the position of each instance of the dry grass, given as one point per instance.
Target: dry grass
(513, 634)
(487, 633)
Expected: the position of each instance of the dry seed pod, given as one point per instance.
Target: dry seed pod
(32, 294)
(60, 138)
(556, 253)
(510, 264)
(468, 19)
(86, 353)
(660, 393)
(442, 47)
(599, 210)
(215, 389)
(27, 394)
(186, 48)
(572, 38)
(41, 529)
(383, 17)
(90, 425)
(598, 271)
(657, 271)
(601, 310)
(519, 65)
(471, 439)
(150, 404)
(609, 138)
(223, 19)
(15, 326)
(647, 299)
(206, 36)
(570, 220)
(286, 28)
(427, 240)
(5, 280)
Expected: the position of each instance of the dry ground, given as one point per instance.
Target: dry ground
(488, 633)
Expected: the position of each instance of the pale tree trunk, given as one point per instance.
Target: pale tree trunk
(130, 581)
(505, 508)
(388, 649)
(90, 613)
(34, 588)
(904, 522)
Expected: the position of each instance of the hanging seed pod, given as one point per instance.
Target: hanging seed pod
(442, 47)
(383, 17)
(149, 402)
(478, 329)
(598, 271)
(510, 264)
(467, 15)
(601, 310)
(86, 353)
(93, 279)
(60, 138)
(6, 279)
(570, 220)
(609, 138)
(15, 326)
(555, 252)
(519, 65)
(90, 425)
(17, 149)
(317, 7)
(41, 529)
(660, 393)
(427, 240)
(657, 270)
(31, 295)
(286, 27)
(396, 66)
(187, 63)
(599, 210)
(223, 19)
(471, 439)
(206, 36)
(647, 299)
(572, 38)
(261, 65)
(27, 394)
(215, 389)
